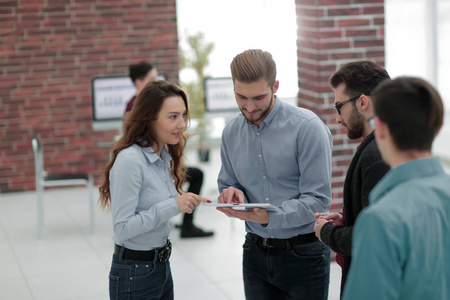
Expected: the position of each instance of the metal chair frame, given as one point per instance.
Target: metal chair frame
(44, 179)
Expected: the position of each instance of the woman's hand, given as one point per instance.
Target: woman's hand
(188, 202)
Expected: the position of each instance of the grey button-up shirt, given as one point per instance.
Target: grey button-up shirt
(142, 198)
(285, 162)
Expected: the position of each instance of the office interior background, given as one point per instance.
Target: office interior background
(51, 50)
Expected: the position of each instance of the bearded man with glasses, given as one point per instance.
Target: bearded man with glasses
(353, 84)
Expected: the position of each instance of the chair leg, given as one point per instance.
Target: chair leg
(91, 203)
(40, 210)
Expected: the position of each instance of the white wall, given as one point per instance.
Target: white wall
(409, 52)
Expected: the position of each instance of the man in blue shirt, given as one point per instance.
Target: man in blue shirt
(280, 154)
(401, 244)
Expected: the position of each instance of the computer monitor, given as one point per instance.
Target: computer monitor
(219, 95)
(110, 95)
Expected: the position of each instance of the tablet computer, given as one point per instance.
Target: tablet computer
(243, 206)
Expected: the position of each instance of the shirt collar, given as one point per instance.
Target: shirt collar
(152, 156)
(419, 168)
(268, 119)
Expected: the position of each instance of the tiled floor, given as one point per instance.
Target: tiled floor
(69, 263)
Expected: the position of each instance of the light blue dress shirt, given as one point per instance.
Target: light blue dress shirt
(401, 242)
(285, 162)
(142, 198)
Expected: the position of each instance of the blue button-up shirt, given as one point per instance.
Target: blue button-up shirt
(285, 162)
(401, 242)
(142, 198)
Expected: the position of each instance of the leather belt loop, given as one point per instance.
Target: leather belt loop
(288, 244)
(121, 251)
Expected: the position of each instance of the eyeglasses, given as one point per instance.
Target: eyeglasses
(338, 106)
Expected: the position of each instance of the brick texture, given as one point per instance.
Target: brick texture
(49, 50)
(331, 33)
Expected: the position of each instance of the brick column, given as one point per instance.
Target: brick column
(331, 33)
(49, 51)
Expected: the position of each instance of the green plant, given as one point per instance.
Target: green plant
(196, 57)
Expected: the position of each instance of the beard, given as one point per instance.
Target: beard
(355, 125)
(261, 116)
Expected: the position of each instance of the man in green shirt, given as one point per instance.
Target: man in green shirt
(401, 242)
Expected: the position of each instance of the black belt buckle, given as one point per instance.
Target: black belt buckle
(266, 244)
(164, 255)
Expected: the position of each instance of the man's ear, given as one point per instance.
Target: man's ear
(276, 85)
(364, 103)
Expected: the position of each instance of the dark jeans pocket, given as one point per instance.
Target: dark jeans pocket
(113, 287)
(314, 258)
(134, 278)
(142, 269)
(146, 280)
(247, 244)
(312, 251)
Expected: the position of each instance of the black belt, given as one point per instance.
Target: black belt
(163, 253)
(283, 243)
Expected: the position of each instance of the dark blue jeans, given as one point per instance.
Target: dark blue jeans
(301, 272)
(130, 279)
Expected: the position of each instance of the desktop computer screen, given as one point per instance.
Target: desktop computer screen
(110, 95)
(219, 95)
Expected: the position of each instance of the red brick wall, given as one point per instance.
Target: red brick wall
(331, 33)
(49, 50)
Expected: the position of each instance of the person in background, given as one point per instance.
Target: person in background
(401, 244)
(142, 186)
(276, 153)
(353, 84)
(194, 176)
(142, 73)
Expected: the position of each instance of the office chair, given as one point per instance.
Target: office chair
(44, 179)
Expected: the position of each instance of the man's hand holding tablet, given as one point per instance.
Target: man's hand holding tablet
(234, 195)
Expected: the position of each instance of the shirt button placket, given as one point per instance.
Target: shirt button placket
(261, 161)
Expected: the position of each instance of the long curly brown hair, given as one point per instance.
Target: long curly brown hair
(138, 128)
